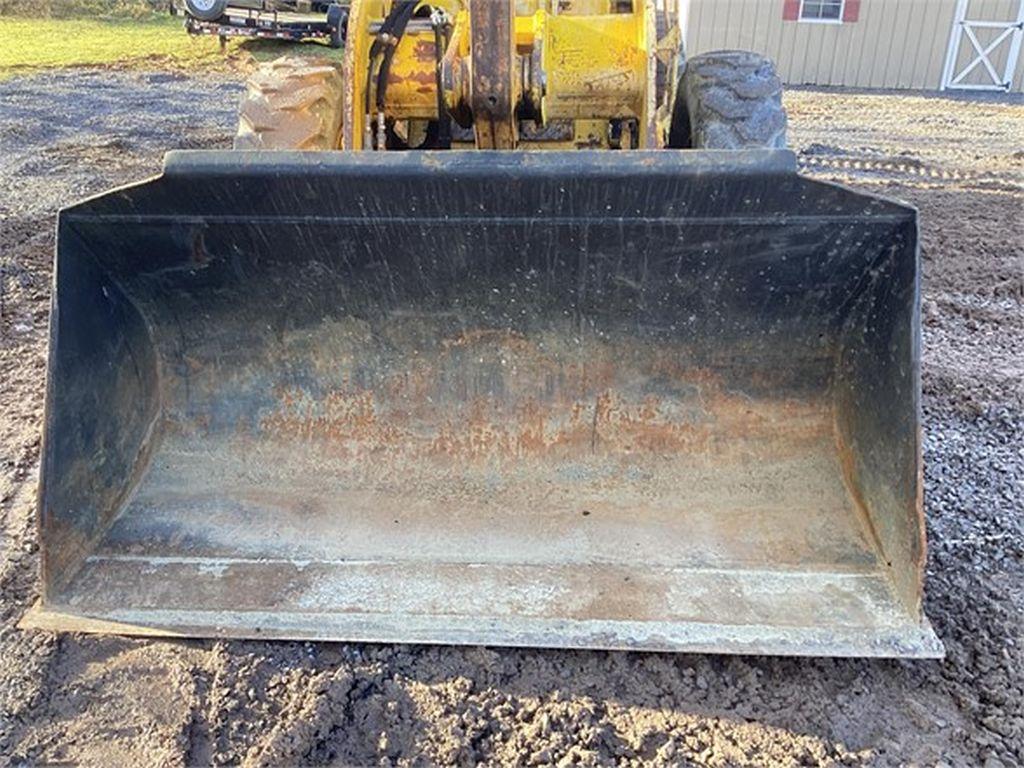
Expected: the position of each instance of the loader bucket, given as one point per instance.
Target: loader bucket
(645, 400)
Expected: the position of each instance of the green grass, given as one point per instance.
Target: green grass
(33, 44)
(86, 9)
(156, 41)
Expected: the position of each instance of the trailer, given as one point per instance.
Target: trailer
(294, 20)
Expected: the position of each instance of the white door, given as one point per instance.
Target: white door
(984, 46)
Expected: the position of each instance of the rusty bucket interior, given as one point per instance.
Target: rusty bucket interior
(643, 400)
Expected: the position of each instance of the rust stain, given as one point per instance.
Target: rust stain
(847, 463)
(415, 76)
(483, 394)
(425, 51)
(339, 418)
(418, 72)
(611, 423)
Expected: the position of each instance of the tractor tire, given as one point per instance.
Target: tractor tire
(206, 10)
(729, 100)
(292, 103)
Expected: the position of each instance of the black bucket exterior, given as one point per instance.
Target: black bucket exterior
(663, 400)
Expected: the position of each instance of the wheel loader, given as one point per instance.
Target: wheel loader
(516, 328)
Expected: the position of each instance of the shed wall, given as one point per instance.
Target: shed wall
(893, 43)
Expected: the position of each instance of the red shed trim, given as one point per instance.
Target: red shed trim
(851, 11)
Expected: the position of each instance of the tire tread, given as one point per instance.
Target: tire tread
(733, 101)
(292, 103)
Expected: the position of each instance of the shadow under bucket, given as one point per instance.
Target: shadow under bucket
(652, 400)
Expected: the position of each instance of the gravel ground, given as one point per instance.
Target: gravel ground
(104, 701)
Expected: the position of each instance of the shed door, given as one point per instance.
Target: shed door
(984, 45)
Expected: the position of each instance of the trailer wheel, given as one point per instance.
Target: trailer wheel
(729, 100)
(292, 103)
(206, 10)
(337, 20)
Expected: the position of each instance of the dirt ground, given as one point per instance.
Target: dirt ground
(112, 701)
